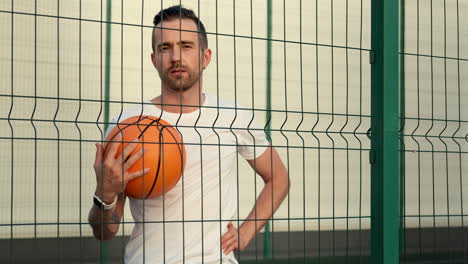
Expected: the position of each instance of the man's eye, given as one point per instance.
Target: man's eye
(163, 48)
(187, 46)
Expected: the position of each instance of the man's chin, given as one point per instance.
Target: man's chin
(179, 87)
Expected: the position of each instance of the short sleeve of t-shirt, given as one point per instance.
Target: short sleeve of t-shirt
(111, 125)
(251, 136)
(138, 110)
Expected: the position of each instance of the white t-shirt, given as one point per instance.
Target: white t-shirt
(184, 226)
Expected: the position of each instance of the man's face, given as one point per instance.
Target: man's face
(177, 55)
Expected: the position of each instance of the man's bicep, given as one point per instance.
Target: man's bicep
(267, 163)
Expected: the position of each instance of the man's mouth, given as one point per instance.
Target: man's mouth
(177, 73)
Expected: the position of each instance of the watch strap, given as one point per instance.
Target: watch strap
(102, 205)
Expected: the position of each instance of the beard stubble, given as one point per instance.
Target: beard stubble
(181, 83)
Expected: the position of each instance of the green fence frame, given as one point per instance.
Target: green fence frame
(384, 155)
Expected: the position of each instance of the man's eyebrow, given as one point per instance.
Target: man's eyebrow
(187, 42)
(183, 42)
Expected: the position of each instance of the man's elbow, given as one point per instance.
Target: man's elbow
(103, 232)
(283, 183)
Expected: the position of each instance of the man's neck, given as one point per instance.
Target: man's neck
(180, 102)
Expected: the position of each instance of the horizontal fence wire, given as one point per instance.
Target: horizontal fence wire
(207, 32)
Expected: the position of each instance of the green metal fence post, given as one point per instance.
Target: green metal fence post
(266, 235)
(384, 154)
(107, 65)
(104, 245)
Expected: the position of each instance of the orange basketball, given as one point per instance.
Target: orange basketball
(163, 154)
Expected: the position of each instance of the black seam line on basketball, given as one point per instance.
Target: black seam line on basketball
(148, 126)
(159, 162)
(179, 146)
(181, 152)
(160, 150)
(125, 127)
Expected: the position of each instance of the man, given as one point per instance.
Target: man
(192, 222)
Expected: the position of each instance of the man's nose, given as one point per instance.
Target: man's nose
(176, 54)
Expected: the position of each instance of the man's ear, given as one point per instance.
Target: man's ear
(206, 58)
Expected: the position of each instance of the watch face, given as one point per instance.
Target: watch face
(97, 202)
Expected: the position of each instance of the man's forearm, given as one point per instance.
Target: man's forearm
(105, 223)
(267, 203)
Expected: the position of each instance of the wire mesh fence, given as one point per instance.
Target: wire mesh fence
(300, 67)
(435, 132)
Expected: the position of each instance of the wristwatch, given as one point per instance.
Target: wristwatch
(102, 205)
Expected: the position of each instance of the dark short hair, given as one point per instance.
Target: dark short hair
(175, 12)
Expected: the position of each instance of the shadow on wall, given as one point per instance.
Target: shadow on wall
(426, 245)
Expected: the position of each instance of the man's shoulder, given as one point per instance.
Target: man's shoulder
(231, 111)
(224, 103)
(138, 109)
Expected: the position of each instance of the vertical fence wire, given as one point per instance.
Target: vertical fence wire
(317, 105)
(267, 237)
(360, 171)
(11, 205)
(35, 133)
(80, 136)
(286, 158)
(301, 78)
(54, 122)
